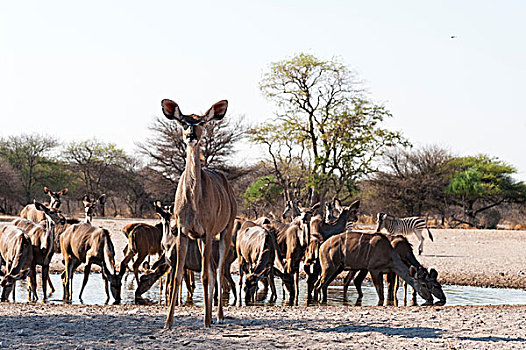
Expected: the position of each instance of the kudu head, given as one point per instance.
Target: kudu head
(193, 124)
(333, 209)
(353, 211)
(165, 215)
(251, 285)
(420, 283)
(53, 217)
(292, 209)
(91, 206)
(54, 197)
(435, 287)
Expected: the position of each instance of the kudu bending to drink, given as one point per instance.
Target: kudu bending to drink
(143, 240)
(16, 253)
(42, 237)
(30, 212)
(257, 250)
(404, 249)
(364, 251)
(84, 243)
(205, 208)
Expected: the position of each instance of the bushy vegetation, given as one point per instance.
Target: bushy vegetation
(328, 140)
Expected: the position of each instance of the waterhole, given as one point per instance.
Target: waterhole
(95, 294)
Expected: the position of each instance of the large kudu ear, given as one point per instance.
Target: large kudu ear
(338, 205)
(85, 200)
(355, 205)
(46, 190)
(171, 110)
(433, 274)
(40, 206)
(63, 192)
(102, 199)
(217, 111)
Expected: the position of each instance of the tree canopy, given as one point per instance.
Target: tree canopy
(326, 127)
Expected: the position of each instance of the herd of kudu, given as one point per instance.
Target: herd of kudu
(200, 232)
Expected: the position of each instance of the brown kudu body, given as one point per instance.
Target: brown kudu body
(16, 253)
(292, 239)
(365, 251)
(204, 209)
(143, 240)
(404, 249)
(30, 212)
(42, 237)
(84, 243)
(257, 250)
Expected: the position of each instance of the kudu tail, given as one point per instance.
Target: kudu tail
(109, 255)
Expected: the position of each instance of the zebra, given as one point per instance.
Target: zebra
(404, 226)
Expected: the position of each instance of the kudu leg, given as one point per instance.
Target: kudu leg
(87, 270)
(391, 286)
(358, 280)
(232, 284)
(136, 265)
(296, 287)
(45, 279)
(181, 246)
(51, 287)
(32, 295)
(240, 282)
(378, 282)
(207, 278)
(224, 249)
(346, 281)
(273, 294)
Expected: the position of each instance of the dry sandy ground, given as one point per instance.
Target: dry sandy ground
(471, 257)
(130, 327)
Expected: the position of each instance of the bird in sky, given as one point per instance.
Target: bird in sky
(453, 36)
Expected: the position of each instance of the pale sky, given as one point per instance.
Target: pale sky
(78, 70)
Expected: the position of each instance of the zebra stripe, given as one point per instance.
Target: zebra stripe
(403, 225)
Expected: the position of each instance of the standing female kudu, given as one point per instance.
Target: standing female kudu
(204, 208)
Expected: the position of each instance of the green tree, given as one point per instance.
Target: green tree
(480, 183)
(29, 156)
(325, 124)
(261, 193)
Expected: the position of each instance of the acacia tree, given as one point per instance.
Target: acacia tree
(480, 183)
(326, 122)
(94, 161)
(410, 182)
(29, 156)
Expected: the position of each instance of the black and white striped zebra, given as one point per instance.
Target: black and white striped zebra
(404, 226)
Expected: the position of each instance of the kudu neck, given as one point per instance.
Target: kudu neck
(402, 270)
(193, 167)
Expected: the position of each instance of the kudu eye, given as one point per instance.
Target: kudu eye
(186, 126)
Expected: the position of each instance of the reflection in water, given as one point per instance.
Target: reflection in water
(94, 293)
